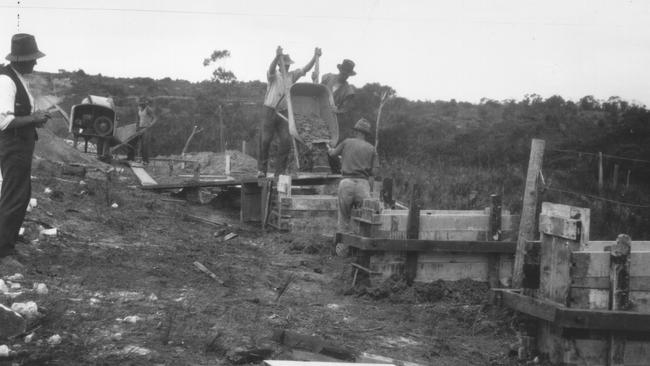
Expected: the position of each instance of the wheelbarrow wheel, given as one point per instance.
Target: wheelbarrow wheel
(103, 126)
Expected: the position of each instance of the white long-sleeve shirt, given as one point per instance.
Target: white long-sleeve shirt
(8, 91)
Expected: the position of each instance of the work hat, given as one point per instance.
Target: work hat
(362, 125)
(287, 59)
(347, 67)
(24, 48)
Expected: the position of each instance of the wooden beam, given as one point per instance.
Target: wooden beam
(438, 246)
(619, 293)
(494, 234)
(537, 308)
(559, 227)
(527, 224)
(564, 317)
(413, 233)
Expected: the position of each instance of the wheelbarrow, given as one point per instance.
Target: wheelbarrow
(313, 103)
(95, 119)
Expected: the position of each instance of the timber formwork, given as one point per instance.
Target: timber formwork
(590, 301)
(430, 245)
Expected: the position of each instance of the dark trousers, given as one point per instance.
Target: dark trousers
(16, 152)
(272, 125)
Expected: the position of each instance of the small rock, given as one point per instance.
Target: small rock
(4, 350)
(115, 205)
(29, 337)
(28, 309)
(14, 285)
(54, 340)
(135, 350)
(49, 232)
(47, 190)
(153, 297)
(94, 301)
(131, 319)
(41, 288)
(15, 277)
(21, 231)
(3, 287)
(82, 183)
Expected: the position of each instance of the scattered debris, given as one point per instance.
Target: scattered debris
(205, 270)
(49, 232)
(41, 288)
(54, 340)
(29, 337)
(3, 287)
(135, 350)
(132, 319)
(15, 277)
(28, 309)
(230, 236)
(313, 344)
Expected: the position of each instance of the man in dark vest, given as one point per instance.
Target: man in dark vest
(18, 123)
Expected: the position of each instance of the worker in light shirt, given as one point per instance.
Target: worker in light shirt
(18, 124)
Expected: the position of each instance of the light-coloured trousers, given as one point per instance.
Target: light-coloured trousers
(352, 192)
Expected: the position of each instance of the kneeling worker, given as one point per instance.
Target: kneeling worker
(359, 164)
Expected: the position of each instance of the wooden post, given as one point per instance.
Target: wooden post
(221, 145)
(494, 234)
(600, 172)
(243, 146)
(627, 181)
(615, 177)
(413, 232)
(527, 224)
(619, 279)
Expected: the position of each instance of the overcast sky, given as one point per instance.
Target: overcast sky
(426, 50)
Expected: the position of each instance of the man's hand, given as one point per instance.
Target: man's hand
(318, 52)
(278, 51)
(40, 118)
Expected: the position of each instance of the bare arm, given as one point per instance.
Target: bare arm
(317, 53)
(337, 150)
(274, 64)
(37, 119)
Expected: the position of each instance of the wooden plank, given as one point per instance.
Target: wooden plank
(494, 234)
(537, 308)
(527, 227)
(310, 202)
(589, 298)
(320, 363)
(430, 245)
(571, 212)
(555, 267)
(638, 284)
(602, 319)
(559, 227)
(251, 200)
(619, 293)
(454, 271)
(412, 233)
(600, 246)
(142, 175)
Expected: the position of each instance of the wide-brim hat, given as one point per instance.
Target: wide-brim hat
(347, 67)
(24, 48)
(362, 125)
(287, 59)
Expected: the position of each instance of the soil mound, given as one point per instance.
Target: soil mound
(55, 149)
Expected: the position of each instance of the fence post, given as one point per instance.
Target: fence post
(413, 232)
(619, 279)
(527, 224)
(600, 173)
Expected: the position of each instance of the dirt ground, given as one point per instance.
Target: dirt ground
(123, 289)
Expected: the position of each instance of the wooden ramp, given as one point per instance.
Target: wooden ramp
(141, 173)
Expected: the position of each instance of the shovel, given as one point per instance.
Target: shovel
(292, 123)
